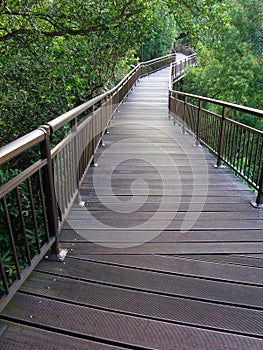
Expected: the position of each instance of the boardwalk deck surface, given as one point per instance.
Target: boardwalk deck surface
(164, 250)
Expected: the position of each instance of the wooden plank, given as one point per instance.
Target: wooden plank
(156, 224)
(171, 199)
(193, 265)
(183, 207)
(138, 280)
(75, 236)
(162, 215)
(244, 259)
(80, 321)
(19, 336)
(193, 312)
(124, 247)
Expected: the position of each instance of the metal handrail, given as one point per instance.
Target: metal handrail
(249, 110)
(43, 193)
(60, 121)
(15, 148)
(235, 144)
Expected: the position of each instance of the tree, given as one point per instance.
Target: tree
(75, 17)
(230, 66)
(58, 54)
(162, 37)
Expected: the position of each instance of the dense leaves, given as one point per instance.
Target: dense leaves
(57, 54)
(230, 67)
(162, 37)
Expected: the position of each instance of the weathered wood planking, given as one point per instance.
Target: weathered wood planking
(127, 284)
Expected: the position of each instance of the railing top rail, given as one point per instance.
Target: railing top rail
(65, 118)
(244, 126)
(254, 111)
(187, 58)
(157, 59)
(15, 148)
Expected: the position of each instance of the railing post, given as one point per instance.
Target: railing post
(169, 104)
(49, 190)
(74, 130)
(259, 201)
(221, 141)
(184, 114)
(198, 125)
(93, 137)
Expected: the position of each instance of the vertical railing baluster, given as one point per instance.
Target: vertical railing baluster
(251, 153)
(23, 226)
(62, 178)
(221, 137)
(171, 106)
(11, 237)
(34, 217)
(259, 200)
(93, 136)
(65, 187)
(58, 187)
(3, 275)
(259, 156)
(198, 124)
(42, 199)
(49, 190)
(184, 114)
(75, 149)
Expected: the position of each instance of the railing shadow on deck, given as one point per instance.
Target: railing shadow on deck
(35, 202)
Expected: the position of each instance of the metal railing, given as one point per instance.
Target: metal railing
(35, 202)
(177, 69)
(213, 123)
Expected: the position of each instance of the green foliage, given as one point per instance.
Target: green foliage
(56, 55)
(21, 238)
(231, 68)
(162, 37)
(196, 18)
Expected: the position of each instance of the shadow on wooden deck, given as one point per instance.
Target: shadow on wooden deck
(164, 251)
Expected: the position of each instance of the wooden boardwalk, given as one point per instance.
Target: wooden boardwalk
(164, 250)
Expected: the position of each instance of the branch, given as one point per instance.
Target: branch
(61, 32)
(119, 21)
(15, 33)
(46, 18)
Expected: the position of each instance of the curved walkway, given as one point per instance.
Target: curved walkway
(164, 250)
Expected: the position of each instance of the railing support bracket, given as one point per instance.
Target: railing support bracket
(256, 205)
(60, 256)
